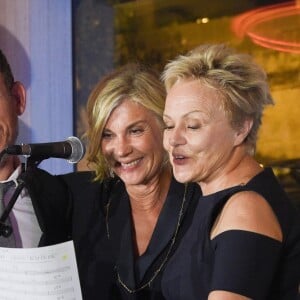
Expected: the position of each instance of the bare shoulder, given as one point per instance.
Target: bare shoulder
(224, 295)
(248, 211)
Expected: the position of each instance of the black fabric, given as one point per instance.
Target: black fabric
(52, 205)
(258, 257)
(88, 199)
(160, 239)
(189, 273)
(95, 258)
(72, 206)
(99, 254)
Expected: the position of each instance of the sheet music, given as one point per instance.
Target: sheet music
(45, 273)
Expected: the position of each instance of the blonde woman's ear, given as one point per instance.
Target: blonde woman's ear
(243, 131)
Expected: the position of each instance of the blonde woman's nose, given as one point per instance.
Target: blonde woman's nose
(122, 147)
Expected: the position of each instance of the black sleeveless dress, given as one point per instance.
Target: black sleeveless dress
(247, 263)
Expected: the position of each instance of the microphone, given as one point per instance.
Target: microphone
(72, 149)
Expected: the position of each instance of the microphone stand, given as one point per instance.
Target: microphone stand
(6, 230)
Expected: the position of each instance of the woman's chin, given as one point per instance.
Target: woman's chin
(182, 178)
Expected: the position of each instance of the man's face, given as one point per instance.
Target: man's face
(12, 104)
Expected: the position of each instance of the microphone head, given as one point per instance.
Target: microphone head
(78, 149)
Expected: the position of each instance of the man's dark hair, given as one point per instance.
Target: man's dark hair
(6, 72)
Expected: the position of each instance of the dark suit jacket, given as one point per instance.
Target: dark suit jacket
(95, 258)
(52, 205)
(64, 204)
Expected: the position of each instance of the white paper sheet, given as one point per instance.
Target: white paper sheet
(45, 273)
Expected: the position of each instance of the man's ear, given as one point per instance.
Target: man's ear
(243, 131)
(19, 94)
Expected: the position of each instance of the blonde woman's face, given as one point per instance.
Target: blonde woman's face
(198, 136)
(132, 143)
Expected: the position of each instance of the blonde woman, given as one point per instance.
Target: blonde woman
(129, 215)
(244, 240)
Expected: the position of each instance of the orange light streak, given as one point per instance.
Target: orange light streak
(259, 26)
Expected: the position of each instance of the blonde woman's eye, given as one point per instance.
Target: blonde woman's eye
(136, 130)
(106, 135)
(168, 127)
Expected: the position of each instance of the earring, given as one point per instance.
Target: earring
(111, 173)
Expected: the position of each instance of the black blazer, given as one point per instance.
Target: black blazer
(64, 204)
(87, 201)
(100, 250)
(52, 205)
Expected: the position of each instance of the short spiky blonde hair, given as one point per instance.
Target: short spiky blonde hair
(132, 81)
(241, 82)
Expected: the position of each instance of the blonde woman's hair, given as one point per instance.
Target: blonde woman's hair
(241, 82)
(131, 82)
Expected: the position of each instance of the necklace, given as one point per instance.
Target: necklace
(157, 271)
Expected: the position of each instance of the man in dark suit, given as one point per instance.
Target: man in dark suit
(39, 216)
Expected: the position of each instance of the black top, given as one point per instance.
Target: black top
(238, 261)
(102, 232)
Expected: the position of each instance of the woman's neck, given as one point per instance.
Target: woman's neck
(147, 197)
(237, 172)
(146, 203)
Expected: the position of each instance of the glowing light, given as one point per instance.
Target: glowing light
(183, 42)
(276, 26)
(202, 20)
